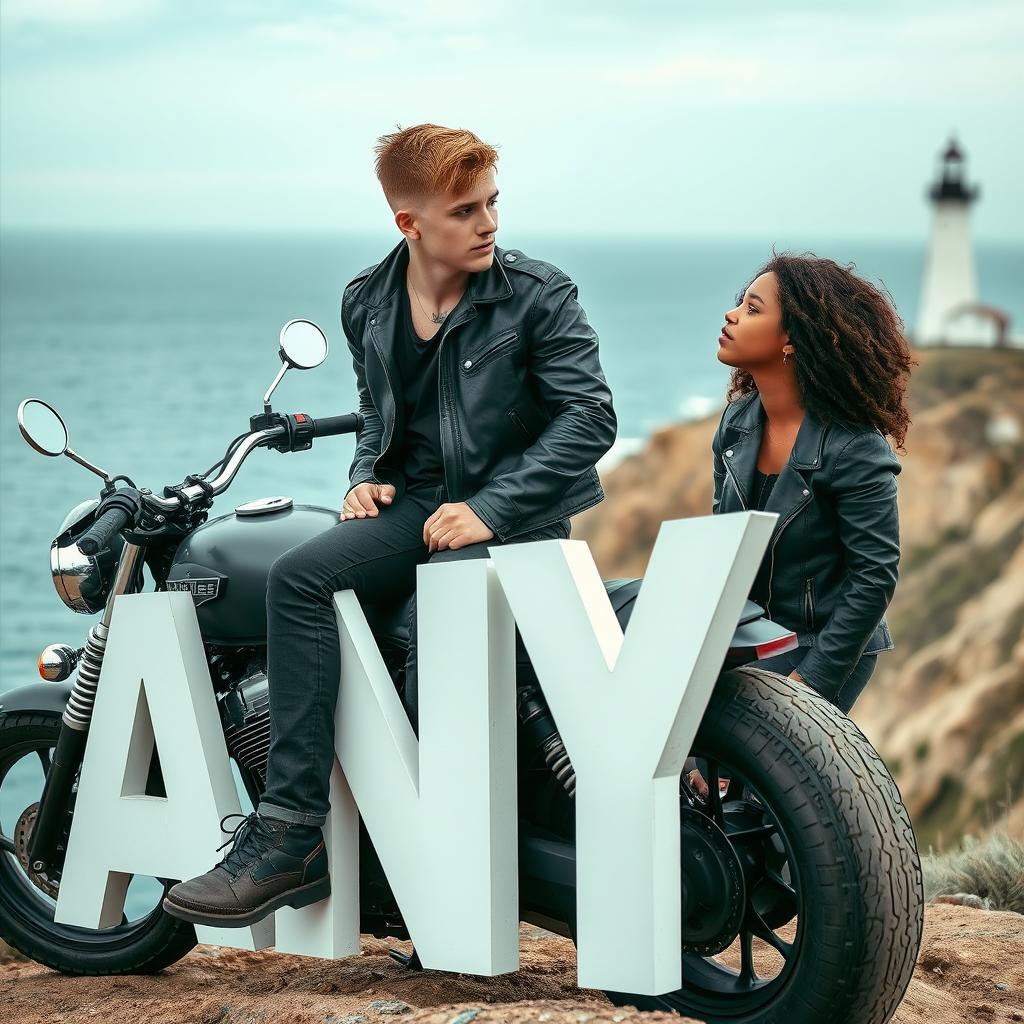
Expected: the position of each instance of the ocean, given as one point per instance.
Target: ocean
(156, 349)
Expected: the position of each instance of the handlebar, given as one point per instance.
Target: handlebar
(117, 510)
(324, 427)
(329, 425)
(97, 536)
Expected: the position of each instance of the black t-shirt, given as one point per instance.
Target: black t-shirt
(763, 484)
(420, 453)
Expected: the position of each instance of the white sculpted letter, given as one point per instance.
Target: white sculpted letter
(441, 811)
(154, 687)
(628, 709)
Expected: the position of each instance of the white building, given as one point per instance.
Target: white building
(950, 312)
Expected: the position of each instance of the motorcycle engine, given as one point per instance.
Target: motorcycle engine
(245, 712)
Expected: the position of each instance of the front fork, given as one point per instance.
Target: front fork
(67, 756)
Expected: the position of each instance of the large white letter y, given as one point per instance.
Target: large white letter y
(627, 708)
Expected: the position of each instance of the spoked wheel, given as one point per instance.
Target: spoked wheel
(147, 939)
(802, 897)
(740, 890)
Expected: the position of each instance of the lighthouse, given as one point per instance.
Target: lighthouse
(949, 289)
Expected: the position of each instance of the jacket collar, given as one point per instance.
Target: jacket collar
(741, 436)
(382, 284)
(749, 418)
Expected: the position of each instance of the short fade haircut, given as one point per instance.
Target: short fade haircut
(428, 159)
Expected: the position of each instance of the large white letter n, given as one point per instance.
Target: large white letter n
(441, 811)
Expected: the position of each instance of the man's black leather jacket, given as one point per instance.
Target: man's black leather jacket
(835, 548)
(525, 410)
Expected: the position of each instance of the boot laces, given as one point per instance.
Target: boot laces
(250, 839)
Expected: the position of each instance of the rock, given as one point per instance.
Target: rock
(390, 1006)
(964, 899)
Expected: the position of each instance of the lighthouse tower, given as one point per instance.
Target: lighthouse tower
(949, 281)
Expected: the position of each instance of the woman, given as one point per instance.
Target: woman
(820, 373)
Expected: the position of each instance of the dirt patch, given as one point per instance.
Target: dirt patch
(971, 968)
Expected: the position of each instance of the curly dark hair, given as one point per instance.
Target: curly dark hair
(853, 360)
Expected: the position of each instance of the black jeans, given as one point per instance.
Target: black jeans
(377, 558)
(850, 690)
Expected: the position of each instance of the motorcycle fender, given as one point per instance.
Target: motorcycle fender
(36, 697)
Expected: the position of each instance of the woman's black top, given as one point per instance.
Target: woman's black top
(763, 484)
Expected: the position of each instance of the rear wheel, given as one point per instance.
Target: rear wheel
(146, 940)
(802, 888)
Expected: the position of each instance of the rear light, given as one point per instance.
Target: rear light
(779, 646)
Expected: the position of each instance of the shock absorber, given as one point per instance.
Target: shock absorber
(78, 711)
(67, 754)
(535, 719)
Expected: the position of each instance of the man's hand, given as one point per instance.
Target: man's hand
(359, 502)
(454, 525)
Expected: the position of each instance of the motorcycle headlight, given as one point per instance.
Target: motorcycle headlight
(83, 581)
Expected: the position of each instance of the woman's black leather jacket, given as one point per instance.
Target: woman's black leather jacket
(835, 548)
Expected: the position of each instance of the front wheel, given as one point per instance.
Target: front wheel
(147, 942)
(803, 899)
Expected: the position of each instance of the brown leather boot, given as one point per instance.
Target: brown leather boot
(271, 864)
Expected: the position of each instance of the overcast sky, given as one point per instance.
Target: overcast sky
(730, 120)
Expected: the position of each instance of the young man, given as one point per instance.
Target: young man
(485, 412)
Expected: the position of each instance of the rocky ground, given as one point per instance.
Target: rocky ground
(971, 968)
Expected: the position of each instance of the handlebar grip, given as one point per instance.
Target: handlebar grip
(96, 537)
(328, 425)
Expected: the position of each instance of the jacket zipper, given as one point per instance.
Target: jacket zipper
(771, 562)
(518, 421)
(453, 495)
(394, 416)
(808, 605)
(490, 354)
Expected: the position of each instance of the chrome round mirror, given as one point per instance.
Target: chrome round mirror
(40, 424)
(303, 344)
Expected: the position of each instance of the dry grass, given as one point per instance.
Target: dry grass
(992, 868)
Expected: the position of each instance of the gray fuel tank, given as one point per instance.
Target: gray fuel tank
(226, 561)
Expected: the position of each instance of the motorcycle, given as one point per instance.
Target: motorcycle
(802, 891)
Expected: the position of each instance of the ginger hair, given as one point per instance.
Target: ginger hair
(428, 159)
